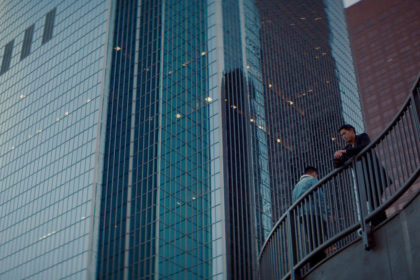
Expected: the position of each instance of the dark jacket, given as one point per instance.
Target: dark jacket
(362, 140)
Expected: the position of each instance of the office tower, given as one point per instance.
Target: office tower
(385, 41)
(126, 146)
(135, 137)
(52, 56)
(310, 89)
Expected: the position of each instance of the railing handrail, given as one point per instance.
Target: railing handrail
(385, 131)
(410, 100)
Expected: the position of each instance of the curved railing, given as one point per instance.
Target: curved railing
(355, 198)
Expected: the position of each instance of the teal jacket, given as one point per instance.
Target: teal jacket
(317, 205)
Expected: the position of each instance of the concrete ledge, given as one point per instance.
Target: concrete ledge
(395, 257)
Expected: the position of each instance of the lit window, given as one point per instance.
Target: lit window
(178, 116)
(117, 48)
(291, 102)
(252, 120)
(66, 113)
(208, 99)
(234, 107)
(88, 100)
(278, 140)
(247, 67)
(270, 85)
(203, 53)
(22, 96)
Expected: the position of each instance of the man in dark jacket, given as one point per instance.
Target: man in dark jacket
(355, 144)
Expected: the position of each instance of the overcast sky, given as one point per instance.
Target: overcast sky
(349, 2)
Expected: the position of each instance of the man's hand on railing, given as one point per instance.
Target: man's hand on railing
(339, 154)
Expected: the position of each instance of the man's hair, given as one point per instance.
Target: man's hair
(310, 169)
(347, 127)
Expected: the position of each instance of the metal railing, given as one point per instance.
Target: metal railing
(355, 198)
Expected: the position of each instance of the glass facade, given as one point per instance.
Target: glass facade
(174, 205)
(50, 93)
(150, 139)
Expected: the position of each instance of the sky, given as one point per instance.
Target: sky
(348, 3)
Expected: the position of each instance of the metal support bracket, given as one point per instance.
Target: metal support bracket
(368, 238)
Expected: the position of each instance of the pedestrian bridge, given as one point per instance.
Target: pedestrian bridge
(352, 243)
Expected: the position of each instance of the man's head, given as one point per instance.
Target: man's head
(311, 171)
(348, 133)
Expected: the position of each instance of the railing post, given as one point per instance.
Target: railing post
(291, 241)
(367, 234)
(415, 100)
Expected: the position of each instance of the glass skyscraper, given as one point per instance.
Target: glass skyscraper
(154, 139)
(52, 79)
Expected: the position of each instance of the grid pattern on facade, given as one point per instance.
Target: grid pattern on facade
(48, 113)
(115, 182)
(145, 172)
(257, 121)
(247, 199)
(184, 197)
(240, 243)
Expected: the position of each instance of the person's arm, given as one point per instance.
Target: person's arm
(338, 162)
(340, 157)
(294, 194)
(361, 142)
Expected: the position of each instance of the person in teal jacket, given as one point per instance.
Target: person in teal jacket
(317, 204)
(313, 214)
